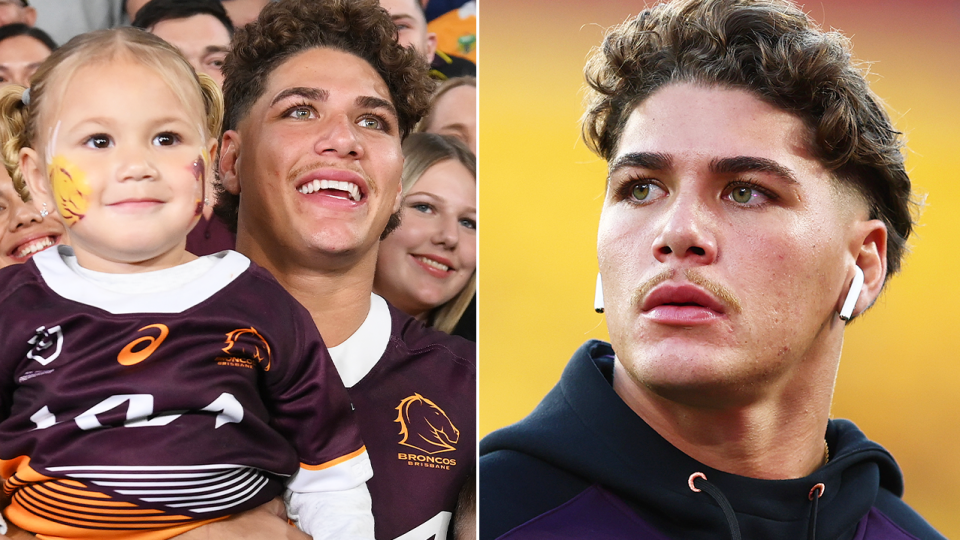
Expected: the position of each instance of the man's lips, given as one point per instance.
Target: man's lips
(338, 183)
(681, 303)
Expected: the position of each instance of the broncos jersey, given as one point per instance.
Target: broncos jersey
(142, 416)
(417, 411)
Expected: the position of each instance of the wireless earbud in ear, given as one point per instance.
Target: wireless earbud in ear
(598, 298)
(853, 294)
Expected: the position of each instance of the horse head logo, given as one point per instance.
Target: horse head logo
(249, 342)
(425, 426)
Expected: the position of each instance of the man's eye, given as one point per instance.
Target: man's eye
(98, 141)
(370, 122)
(300, 113)
(742, 195)
(166, 139)
(642, 191)
(748, 195)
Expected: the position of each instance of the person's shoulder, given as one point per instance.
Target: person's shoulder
(17, 275)
(896, 516)
(416, 338)
(262, 281)
(256, 287)
(517, 488)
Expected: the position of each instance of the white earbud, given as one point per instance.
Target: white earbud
(598, 298)
(853, 294)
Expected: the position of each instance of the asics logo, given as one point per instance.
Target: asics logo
(129, 357)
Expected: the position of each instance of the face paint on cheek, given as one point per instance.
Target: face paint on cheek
(199, 169)
(52, 146)
(70, 189)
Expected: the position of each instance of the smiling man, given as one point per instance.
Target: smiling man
(756, 201)
(318, 96)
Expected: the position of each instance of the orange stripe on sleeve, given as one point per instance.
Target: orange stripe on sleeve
(337, 461)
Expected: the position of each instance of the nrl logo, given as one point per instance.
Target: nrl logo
(425, 426)
(43, 340)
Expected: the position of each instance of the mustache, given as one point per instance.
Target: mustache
(304, 169)
(725, 295)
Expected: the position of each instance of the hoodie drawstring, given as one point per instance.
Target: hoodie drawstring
(718, 496)
(815, 493)
(704, 485)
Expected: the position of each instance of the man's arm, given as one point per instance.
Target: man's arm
(266, 522)
(333, 515)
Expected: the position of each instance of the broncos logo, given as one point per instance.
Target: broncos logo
(425, 426)
(254, 347)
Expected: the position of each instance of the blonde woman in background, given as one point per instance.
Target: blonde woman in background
(427, 266)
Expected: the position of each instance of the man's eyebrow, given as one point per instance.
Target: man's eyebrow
(210, 49)
(745, 164)
(313, 94)
(370, 102)
(654, 161)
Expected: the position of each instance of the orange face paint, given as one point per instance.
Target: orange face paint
(70, 190)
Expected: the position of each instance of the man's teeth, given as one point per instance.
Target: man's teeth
(30, 248)
(433, 263)
(317, 185)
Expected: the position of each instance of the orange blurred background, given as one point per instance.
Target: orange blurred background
(542, 191)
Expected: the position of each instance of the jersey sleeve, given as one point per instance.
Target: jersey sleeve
(311, 408)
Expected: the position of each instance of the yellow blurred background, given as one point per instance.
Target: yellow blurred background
(542, 191)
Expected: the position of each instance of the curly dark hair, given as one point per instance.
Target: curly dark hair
(288, 27)
(773, 49)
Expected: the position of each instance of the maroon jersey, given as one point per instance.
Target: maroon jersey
(417, 413)
(141, 415)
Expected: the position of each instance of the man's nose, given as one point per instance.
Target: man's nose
(338, 136)
(687, 232)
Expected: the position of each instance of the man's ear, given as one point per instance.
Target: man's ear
(229, 160)
(399, 199)
(870, 253)
(431, 46)
(31, 167)
(30, 14)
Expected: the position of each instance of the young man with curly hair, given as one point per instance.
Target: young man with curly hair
(756, 201)
(318, 95)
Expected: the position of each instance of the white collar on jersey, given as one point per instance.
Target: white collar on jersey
(356, 356)
(73, 286)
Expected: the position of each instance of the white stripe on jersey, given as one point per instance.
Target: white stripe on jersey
(222, 486)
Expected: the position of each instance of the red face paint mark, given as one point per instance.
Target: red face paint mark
(200, 173)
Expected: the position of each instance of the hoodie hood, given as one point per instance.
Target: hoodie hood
(585, 430)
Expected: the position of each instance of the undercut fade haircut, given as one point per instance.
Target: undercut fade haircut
(773, 49)
(156, 11)
(289, 27)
